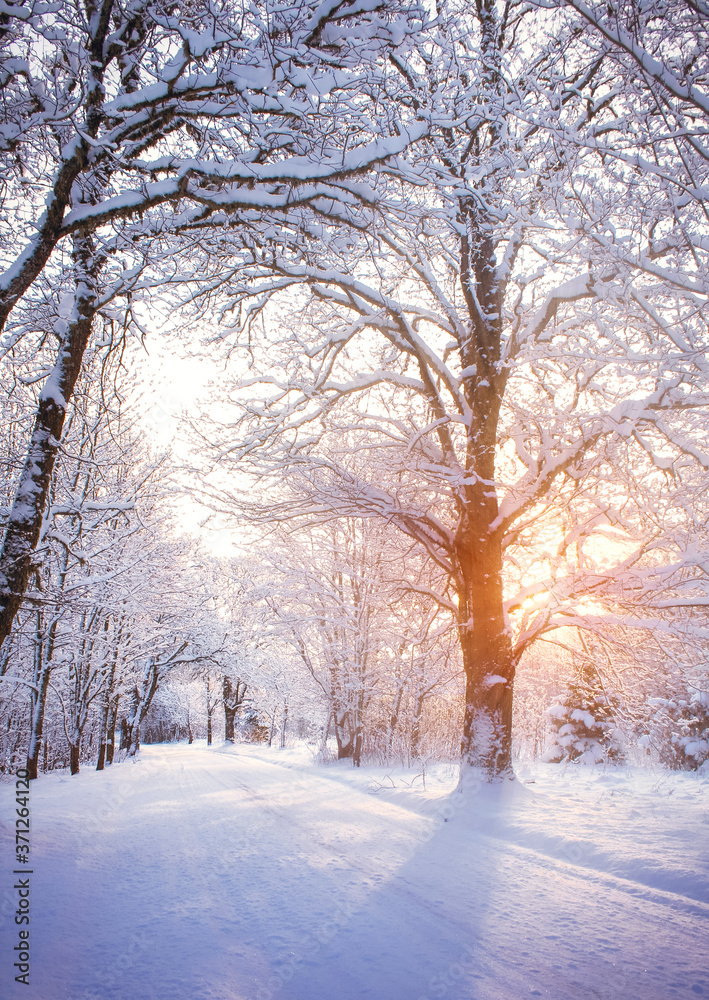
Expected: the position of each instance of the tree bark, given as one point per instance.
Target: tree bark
(485, 641)
(44, 653)
(108, 698)
(109, 712)
(111, 734)
(344, 737)
(284, 725)
(25, 521)
(38, 719)
(233, 697)
(74, 757)
(357, 748)
(229, 717)
(415, 741)
(142, 701)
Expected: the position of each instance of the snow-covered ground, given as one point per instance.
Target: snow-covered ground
(251, 874)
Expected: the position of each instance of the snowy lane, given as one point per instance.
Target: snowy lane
(198, 875)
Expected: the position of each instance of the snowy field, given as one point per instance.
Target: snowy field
(251, 874)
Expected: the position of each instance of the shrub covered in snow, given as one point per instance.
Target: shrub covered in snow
(583, 723)
(252, 729)
(682, 725)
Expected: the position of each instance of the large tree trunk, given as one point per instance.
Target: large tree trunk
(488, 659)
(74, 757)
(344, 736)
(233, 696)
(25, 521)
(229, 717)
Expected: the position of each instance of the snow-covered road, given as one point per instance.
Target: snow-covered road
(195, 874)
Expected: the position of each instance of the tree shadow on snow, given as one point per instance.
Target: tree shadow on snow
(418, 935)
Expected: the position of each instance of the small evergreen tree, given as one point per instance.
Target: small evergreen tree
(583, 723)
(682, 724)
(252, 728)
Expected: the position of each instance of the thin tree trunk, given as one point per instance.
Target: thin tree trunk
(325, 735)
(108, 700)
(416, 725)
(45, 652)
(357, 748)
(33, 750)
(128, 722)
(103, 729)
(272, 726)
(38, 719)
(143, 701)
(4, 660)
(210, 711)
(111, 734)
(284, 724)
(394, 718)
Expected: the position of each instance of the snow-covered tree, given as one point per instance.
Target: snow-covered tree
(584, 727)
(678, 729)
(111, 610)
(519, 318)
(125, 129)
(233, 698)
(357, 611)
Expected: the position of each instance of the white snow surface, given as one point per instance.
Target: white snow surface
(195, 873)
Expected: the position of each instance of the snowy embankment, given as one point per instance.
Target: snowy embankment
(250, 874)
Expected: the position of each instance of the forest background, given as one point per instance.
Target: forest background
(449, 266)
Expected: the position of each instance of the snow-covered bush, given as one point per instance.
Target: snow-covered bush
(252, 730)
(583, 723)
(680, 727)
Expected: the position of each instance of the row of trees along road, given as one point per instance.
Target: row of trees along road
(129, 127)
(463, 252)
(114, 605)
